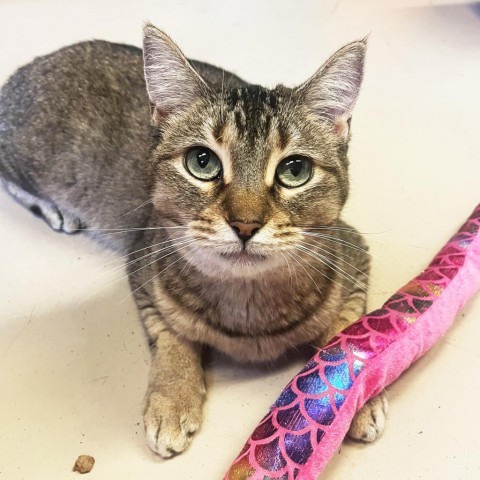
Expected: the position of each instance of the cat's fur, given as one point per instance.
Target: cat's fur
(80, 145)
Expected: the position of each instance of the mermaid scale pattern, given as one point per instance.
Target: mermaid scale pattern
(308, 406)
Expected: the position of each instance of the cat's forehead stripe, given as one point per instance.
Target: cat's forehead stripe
(253, 110)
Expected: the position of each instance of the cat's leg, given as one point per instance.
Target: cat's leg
(176, 385)
(45, 209)
(369, 422)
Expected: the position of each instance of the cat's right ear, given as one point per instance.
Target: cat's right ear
(332, 91)
(172, 83)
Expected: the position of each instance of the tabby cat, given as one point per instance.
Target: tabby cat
(224, 196)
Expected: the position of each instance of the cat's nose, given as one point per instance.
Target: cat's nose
(245, 231)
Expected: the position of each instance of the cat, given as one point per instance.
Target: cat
(225, 198)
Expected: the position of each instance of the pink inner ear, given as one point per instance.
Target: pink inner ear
(341, 127)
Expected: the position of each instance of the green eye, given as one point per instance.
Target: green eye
(203, 164)
(294, 171)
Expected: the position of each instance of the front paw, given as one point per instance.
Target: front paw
(369, 422)
(171, 420)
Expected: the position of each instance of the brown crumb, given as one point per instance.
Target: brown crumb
(84, 464)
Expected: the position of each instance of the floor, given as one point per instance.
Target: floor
(73, 360)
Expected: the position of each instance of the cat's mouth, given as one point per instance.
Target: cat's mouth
(235, 264)
(243, 257)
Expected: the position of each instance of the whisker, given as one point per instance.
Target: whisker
(330, 250)
(340, 241)
(352, 231)
(144, 248)
(335, 267)
(135, 260)
(155, 276)
(342, 229)
(133, 228)
(330, 227)
(189, 263)
(114, 231)
(291, 254)
(289, 269)
(320, 272)
(185, 244)
(337, 258)
(151, 263)
(137, 208)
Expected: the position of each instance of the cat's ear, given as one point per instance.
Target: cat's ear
(332, 91)
(172, 83)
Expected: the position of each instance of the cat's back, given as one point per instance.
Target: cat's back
(68, 81)
(87, 91)
(74, 132)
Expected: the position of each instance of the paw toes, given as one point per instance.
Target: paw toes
(369, 422)
(170, 426)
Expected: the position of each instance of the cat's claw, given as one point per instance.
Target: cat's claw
(170, 423)
(369, 422)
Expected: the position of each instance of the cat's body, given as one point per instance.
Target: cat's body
(243, 259)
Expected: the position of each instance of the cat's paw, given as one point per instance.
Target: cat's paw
(171, 421)
(369, 422)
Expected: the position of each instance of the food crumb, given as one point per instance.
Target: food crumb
(84, 464)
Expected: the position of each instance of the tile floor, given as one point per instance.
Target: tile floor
(73, 360)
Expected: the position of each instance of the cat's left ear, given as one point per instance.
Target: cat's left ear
(332, 91)
(172, 83)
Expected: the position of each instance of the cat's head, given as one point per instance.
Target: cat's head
(247, 169)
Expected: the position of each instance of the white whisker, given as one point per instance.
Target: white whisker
(144, 248)
(114, 231)
(336, 257)
(137, 208)
(189, 263)
(186, 244)
(291, 254)
(340, 241)
(319, 271)
(155, 276)
(289, 269)
(335, 267)
(135, 260)
(151, 263)
(329, 250)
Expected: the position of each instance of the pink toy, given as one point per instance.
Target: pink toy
(312, 415)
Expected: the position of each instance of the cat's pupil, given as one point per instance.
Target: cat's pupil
(203, 157)
(296, 168)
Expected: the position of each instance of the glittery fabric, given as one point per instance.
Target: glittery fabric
(311, 416)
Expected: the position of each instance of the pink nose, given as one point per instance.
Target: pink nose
(245, 231)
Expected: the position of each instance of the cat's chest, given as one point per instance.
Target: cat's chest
(255, 307)
(248, 320)
(243, 303)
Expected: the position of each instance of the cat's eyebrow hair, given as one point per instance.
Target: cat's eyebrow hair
(218, 132)
(219, 146)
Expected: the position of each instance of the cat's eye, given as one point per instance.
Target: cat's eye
(203, 164)
(294, 171)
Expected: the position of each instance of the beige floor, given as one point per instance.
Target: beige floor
(73, 361)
